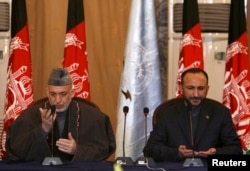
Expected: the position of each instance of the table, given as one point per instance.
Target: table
(91, 166)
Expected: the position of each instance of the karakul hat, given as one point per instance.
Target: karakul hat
(59, 77)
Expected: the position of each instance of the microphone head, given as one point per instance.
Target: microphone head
(145, 111)
(125, 110)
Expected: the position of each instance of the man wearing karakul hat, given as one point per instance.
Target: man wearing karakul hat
(80, 132)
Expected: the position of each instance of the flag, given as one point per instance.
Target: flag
(19, 90)
(140, 84)
(236, 94)
(75, 54)
(191, 48)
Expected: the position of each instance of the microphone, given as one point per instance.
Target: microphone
(145, 111)
(197, 162)
(145, 160)
(124, 160)
(52, 160)
(125, 111)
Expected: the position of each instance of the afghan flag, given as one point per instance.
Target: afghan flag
(19, 90)
(75, 54)
(236, 94)
(191, 48)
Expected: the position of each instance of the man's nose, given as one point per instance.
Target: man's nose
(58, 98)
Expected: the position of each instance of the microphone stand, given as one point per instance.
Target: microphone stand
(124, 160)
(52, 160)
(197, 162)
(145, 160)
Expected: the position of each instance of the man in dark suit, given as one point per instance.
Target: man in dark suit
(193, 125)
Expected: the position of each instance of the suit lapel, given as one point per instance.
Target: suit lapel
(183, 121)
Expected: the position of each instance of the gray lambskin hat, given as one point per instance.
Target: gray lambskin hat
(59, 77)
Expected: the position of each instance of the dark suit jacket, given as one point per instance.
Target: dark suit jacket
(172, 128)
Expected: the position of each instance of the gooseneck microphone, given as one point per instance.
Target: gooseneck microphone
(145, 111)
(53, 111)
(125, 111)
(52, 160)
(189, 107)
(145, 160)
(124, 160)
(197, 162)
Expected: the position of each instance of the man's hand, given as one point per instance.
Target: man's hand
(184, 152)
(47, 119)
(210, 151)
(67, 145)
